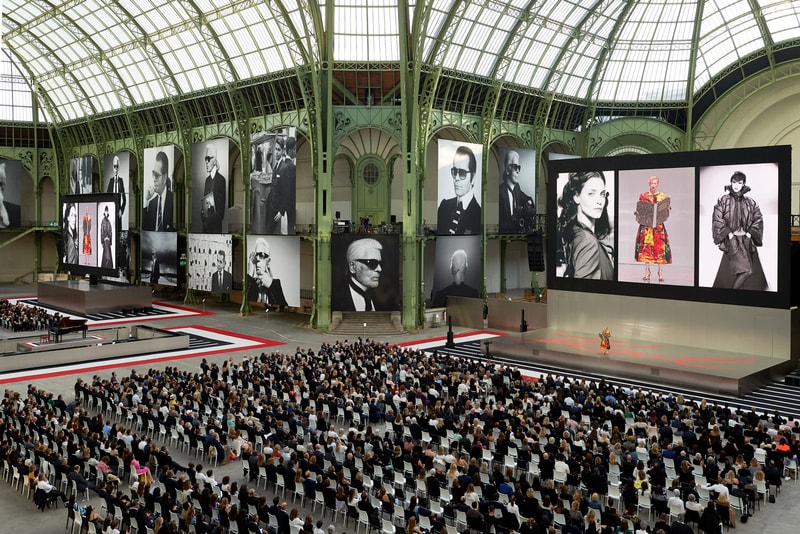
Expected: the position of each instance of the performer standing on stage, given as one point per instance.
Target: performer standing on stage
(605, 340)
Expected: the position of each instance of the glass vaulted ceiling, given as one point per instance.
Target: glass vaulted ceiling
(89, 56)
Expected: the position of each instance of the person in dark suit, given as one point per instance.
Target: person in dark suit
(280, 203)
(212, 213)
(516, 208)
(81, 483)
(364, 270)
(75, 185)
(461, 215)
(221, 280)
(116, 185)
(9, 212)
(262, 286)
(158, 212)
(155, 269)
(459, 263)
(282, 519)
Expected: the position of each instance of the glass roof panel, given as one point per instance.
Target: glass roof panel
(783, 19)
(366, 31)
(560, 44)
(728, 32)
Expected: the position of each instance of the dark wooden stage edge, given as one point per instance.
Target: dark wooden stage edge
(80, 297)
(660, 363)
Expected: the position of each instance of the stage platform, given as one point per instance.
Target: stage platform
(99, 346)
(80, 297)
(661, 363)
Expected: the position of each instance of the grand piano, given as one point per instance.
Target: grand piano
(67, 326)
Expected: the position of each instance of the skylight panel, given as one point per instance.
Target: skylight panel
(64, 98)
(463, 59)
(731, 9)
(485, 65)
(614, 70)
(382, 20)
(520, 73)
(478, 36)
(674, 90)
(649, 92)
(242, 67)
(246, 41)
(747, 39)
(497, 39)
(774, 10)
(569, 12)
(384, 48)
(273, 60)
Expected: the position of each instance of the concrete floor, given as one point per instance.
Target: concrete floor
(20, 516)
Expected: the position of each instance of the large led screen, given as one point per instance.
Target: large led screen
(699, 226)
(89, 234)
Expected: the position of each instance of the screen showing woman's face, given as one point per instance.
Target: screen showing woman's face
(592, 198)
(72, 218)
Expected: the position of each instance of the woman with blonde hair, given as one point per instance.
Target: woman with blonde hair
(724, 510)
(452, 471)
(591, 522)
(412, 527)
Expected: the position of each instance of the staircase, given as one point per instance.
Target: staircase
(351, 324)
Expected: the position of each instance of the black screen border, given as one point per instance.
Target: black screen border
(780, 155)
(91, 198)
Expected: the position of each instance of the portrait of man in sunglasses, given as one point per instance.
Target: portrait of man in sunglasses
(517, 211)
(210, 186)
(364, 267)
(262, 286)
(461, 215)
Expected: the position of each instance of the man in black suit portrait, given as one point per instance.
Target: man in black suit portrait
(364, 269)
(221, 280)
(214, 202)
(158, 212)
(516, 208)
(459, 263)
(461, 215)
(262, 286)
(280, 202)
(116, 185)
(9, 212)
